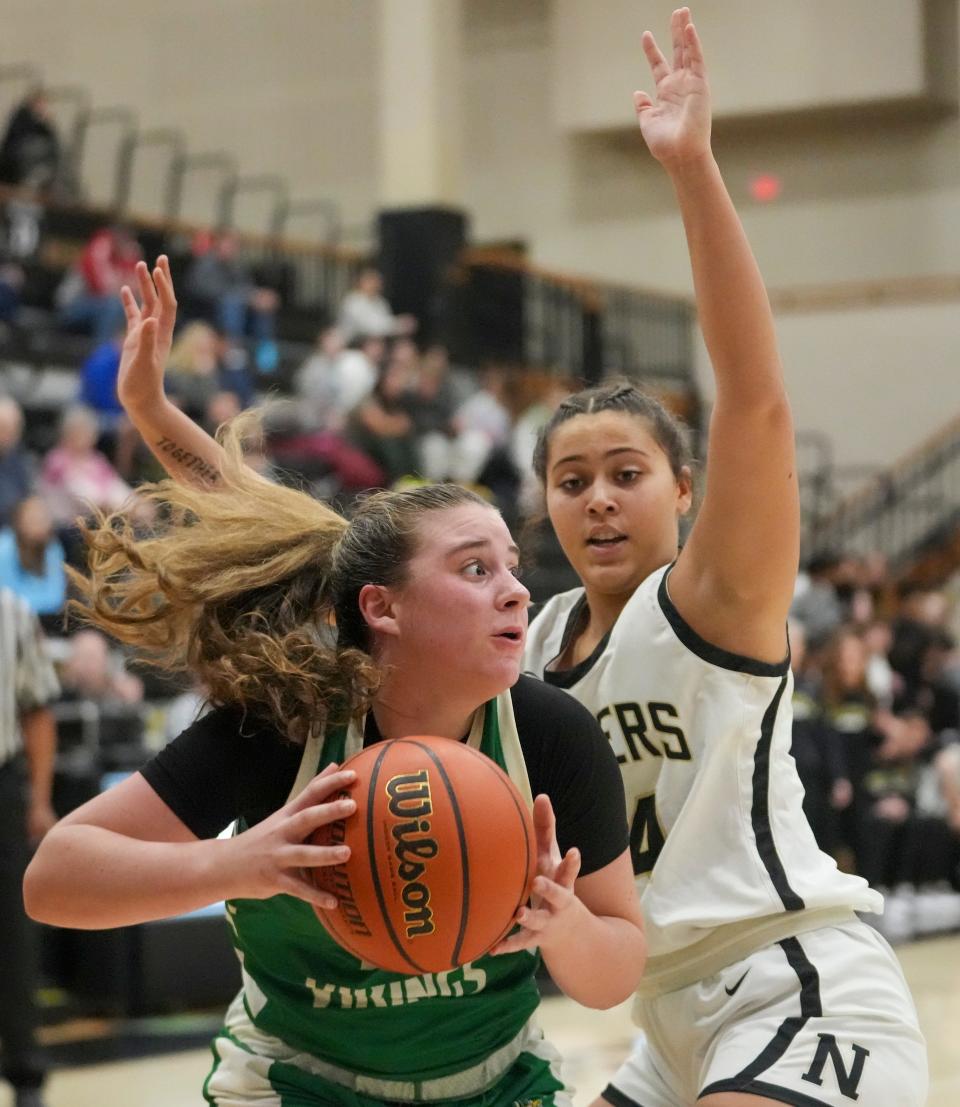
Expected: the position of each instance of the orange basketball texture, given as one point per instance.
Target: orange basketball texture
(443, 853)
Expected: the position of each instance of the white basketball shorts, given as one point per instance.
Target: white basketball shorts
(824, 1019)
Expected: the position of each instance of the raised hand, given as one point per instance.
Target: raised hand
(149, 335)
(269, 858)
(554, 906)
(676, 128)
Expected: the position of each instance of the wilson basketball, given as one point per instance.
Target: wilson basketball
(443, 854)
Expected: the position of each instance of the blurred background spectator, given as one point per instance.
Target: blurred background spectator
(30, 151)
(365, 311)
(16, 475)
(89, 296)
(76, 477)
(381, 425)
(223, 289)
(202, 363)
(92, 670)
(31, 558)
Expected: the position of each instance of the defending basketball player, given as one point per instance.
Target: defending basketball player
(241, 587)
(762, 986)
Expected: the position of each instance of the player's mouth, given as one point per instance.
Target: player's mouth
(603, 541)
(512, 635)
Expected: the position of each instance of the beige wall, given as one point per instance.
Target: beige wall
(283, 85)
(291, 86)
(777, 56)
(876, 381)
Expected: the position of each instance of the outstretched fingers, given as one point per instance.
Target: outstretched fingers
(164, 284)
(148, 294)
(678, 25)
(130, 309)
(545, 828)
(658, 63)
(694, 51)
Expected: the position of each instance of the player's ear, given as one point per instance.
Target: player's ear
(684, 490)
(377, 608)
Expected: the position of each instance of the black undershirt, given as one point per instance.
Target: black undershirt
(228, 765)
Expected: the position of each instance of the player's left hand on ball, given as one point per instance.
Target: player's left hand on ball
(554, 907)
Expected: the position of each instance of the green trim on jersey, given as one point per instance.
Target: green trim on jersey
(302, 987)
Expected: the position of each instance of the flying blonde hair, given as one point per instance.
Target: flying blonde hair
(231, 586)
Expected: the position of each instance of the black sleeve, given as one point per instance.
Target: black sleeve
(221, 768)
(569, 759)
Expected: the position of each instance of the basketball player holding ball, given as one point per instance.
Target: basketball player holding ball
(238, 587)
(762, 986)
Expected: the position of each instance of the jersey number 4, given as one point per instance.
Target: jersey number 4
(646, 835)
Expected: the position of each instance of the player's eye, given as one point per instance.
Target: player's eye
(628, 476)
(571, 484)
(475, 569)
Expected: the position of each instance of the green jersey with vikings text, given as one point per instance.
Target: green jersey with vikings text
(299, 985)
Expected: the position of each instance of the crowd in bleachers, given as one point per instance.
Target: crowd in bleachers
(877, 734)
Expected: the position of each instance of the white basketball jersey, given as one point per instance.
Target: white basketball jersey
(723, 854)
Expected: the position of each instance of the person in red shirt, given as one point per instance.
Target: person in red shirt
(89, 297)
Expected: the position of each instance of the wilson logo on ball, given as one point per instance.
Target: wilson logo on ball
(410, 800)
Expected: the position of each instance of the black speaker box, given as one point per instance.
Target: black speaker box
(418, 250)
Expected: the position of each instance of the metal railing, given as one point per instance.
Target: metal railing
(899, 511)
(131, 144)
(583, 328)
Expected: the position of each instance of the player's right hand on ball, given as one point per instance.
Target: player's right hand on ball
(269, 859)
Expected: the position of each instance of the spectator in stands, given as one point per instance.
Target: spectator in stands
(923, 612)
(16, 477)
(223, 285)
(221, 408)
(318, 384)
(98, 383)
(819, 751)
(486, 416)
(89, 296)
(544, 396)
(360, 367)
(449, 450)
(883, 748)
(31, 558)
(12, 278)
(816, 604)
(94, 671)
(365, 311)
(382, 428)
(30, 150)
(201, 365)
(882, 681)
(75, 476)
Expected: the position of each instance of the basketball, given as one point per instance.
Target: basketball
(443, 853)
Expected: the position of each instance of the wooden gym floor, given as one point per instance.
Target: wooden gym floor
(593, 1044)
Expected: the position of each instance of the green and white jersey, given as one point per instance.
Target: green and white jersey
(312, 1024)
(301, 987)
